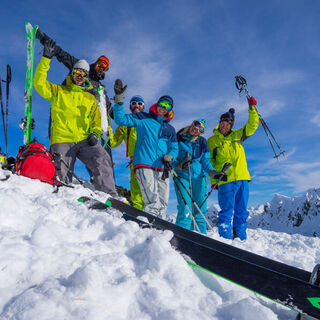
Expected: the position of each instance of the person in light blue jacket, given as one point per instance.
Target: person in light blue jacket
(156, 145)
(193, 152)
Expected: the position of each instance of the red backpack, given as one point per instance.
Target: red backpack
(36, 162)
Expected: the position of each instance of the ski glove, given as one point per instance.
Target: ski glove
(119, 91)
(252, 101)
(183, 165)
(41, 36)
(167, 159)
(218, 175)
(49, 49)
(92, 139)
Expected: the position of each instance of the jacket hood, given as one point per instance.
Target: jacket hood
(169, 116)
(72, 86)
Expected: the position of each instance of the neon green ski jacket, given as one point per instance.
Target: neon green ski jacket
(74, 111)
(229, 148)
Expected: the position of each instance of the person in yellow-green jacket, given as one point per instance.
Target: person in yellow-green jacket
(129, 135)
(76, 122)
(226, 147)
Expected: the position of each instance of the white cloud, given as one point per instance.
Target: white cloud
(316, 119)
(279, 78)
(140, 60)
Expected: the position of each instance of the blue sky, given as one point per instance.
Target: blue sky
(191, 50)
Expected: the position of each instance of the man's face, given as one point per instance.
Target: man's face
(136, 106)
(79, 76)
(161, 111)
(225, 126)
(163, 108)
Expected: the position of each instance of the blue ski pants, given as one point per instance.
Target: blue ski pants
(233, 199)
(199, 190)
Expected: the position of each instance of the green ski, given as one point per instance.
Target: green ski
(27, 123)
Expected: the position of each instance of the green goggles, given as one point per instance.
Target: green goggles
(166, 105)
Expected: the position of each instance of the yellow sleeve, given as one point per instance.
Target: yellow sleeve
(45, 88)
(253, 121)
(118, 136)
(95, 119)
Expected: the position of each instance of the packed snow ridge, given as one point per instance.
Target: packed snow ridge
(61, 260)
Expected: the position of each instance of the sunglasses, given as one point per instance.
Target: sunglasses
(136, 103)
(166, 105)
(79, 73)
(199, 126)
(101, 65)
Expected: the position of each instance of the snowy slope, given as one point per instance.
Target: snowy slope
(60, 260)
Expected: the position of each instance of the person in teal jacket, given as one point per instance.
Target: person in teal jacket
(156, 146)
(193, 152)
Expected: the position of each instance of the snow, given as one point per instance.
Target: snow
(60, 260)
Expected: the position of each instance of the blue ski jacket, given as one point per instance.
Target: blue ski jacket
(155, 136)
(198, 150)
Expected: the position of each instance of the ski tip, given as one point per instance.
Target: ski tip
(108, 203)
(83, 199)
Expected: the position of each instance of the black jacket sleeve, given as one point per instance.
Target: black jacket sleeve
(66, 58)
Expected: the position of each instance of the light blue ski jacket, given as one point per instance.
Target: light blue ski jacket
(199, 151)
(155, 136)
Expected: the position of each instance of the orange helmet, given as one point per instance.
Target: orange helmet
(104, 60)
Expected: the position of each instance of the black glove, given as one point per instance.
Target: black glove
(183, 165)
(92, 139)
(119, 91)
(49, 48)
(222, 176)
(41, 36)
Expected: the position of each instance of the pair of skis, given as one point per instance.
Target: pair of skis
(291, 287)
(5, 117)
(27, 123)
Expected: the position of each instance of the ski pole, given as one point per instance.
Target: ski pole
(183, 198)
(2, 113)
(57, 156)
(190, 184)
(172, 171)
(241, 85)
(224, 170)
(7, 104)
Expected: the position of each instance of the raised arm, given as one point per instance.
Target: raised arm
(62, 56)
(45, 88)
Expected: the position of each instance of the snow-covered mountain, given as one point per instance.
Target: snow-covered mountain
(60, 260)
(291, 215)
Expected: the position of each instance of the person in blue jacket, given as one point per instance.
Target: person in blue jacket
(193, 152)
(156, 146)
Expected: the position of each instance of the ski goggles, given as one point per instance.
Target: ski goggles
(79, 73)
(198, 125)
(102, 66)
(136, 103)
(166, 105)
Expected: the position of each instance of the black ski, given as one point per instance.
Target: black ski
(277, 281)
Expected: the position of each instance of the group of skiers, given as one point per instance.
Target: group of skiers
(80, 116)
